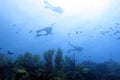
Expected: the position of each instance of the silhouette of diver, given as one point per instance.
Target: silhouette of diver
(75, 48)
(57, 9)
(48, 31)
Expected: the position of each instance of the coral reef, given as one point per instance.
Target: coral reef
(28, 61)
(48, 57)
(54, 66)
(58, 61)
(20, 74)
(70, 64)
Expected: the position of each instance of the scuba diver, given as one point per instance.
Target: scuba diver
(57, 9)
(47, 30)
(75, 48)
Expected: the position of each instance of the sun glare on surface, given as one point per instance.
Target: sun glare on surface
(75, 7)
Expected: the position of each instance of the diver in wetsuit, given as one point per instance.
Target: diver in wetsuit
(47, 30)
(75, 48)
(56, 9)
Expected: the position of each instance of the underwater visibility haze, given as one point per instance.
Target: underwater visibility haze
(83, 30)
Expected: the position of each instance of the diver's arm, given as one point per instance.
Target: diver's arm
(52, 24)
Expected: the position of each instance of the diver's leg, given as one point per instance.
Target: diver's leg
(52, 24)
(38, 35)
(38, 31)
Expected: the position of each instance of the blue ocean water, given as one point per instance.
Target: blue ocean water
(59, 40)
(26, 25)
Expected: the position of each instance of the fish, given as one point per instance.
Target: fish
(16, 32)
(14, 24)
(107, 31)
(117, 24)
(80, 32)
(89, 56)
(76, 32)
(118, 38)
(110, 28)
(116, 32)
(30, 31)
(9, 52)
(68, 33)
(91, 36)
(102, 32)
